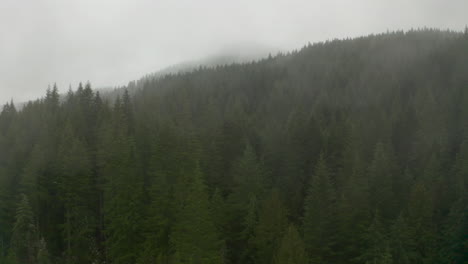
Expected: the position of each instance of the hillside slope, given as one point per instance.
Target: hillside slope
(346, 151)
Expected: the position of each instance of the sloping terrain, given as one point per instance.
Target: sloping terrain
(346, 151)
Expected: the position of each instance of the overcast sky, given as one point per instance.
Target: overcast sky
(110, 42)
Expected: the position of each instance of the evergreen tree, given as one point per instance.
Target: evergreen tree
(123, 190)
(272, 223)
(353, 204)
(249, 250)
(292, 248)
(382, 171)
(455, 234)
(318, 214)
(74, 191)
(219, 212)
(421, 227)
(42, 253)
(248, 189)
(401, 242)
(194, 237)
(377, 250)
(249, 179)
(24, 238)
(159, 217)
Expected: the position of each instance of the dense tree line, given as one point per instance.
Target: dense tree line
(346, 151)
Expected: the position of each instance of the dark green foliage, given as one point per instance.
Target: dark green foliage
(421, 226)
(377, 250)
(346, 151)
(159, 217)
(247, 235)
(353, 203)
(194, 236)
(74, 187)
(319, 214)
(291, 249)
(401, 242)
(248, 189)
(122, 195)
(272, 223)
(24, 240)
(248, 179)
(382, 173)
(42, 253)
(455, 234)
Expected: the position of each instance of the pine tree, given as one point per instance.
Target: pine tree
(7, 116)
(301, 147)
(318, 214)
(75, 191)
(249, 187)
(43, 256)
(249, 179)
(123, 207)
(159, 217)
(219, 212)
(454, 231)
(291, 249)
(249, 250)
(220, 219)
(194, 237)
(33, 174)
(353, 205)
(24, 238)
(52, 99)
(382, 171)
(455, 234)
(123, 189)
(272, 223)
(420, 221)
(377, 249)
(401, 242)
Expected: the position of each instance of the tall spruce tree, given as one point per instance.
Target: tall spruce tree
(250, 221)
(123, 188)
(24, 240)
(194, 236)
(382, 172)
(421, 226)
(75, 192)
(272, 223)
(249, 187)
(319, 209)
(377, 249)
(291, 249)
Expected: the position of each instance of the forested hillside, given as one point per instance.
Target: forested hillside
(346, 151)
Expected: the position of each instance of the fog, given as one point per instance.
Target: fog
(110, 42)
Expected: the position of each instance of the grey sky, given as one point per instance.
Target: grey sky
(110, 42)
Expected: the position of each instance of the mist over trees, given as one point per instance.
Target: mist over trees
(346, 151)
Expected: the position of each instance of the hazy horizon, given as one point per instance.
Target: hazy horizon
(110, 43)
